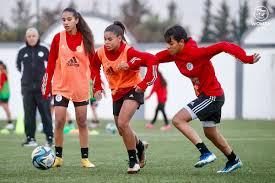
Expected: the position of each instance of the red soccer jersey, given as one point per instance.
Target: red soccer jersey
(143, 58)
(194, 63)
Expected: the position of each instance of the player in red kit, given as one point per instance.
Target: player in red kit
(194, 63)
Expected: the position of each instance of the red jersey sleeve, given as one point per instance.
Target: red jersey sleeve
(137, 59)
(195, 53)
(95, 73)
(164, 56)
(53, 55)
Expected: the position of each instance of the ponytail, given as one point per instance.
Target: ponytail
(85, 30)
(117, 28)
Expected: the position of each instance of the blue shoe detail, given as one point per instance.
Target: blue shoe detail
(205, 159)
(231, 166)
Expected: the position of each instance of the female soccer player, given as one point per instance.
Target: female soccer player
(69, 66)
(194, 63)
(126, 86)
(160, 88)
(5, 94)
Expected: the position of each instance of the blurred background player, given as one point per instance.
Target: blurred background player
(31, 61)
(5, 94)
(93, 106)
(71, 52)
(160, 88)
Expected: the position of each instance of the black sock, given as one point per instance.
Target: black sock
(231, 157)
(58, 152)
(140, 146)
(132, 156)
(49, 139)
(84, 152)
(202, 148)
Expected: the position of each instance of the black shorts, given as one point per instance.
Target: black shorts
(207, 108)
(59, 100)
(131, 95)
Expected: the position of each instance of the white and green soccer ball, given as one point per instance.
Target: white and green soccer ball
(111, 128)
(43, 157)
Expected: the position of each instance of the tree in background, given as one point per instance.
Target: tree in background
(242, 25)
(222, 24)
(133, 11)
(207, 33)
(147, 27)
(6, 33)
(49, 17)
(22, 18)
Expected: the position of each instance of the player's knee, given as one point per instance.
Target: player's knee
(122, 125)
(81, 122)
(59, 124)
(176, 121)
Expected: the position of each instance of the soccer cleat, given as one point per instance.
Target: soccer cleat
(133, 168)
(85, 163)
(149, 125)
(30, 143)
(231, 166)
(205, 159)
(142, 156)
(58, 162)
(9, 126)
(165, 127)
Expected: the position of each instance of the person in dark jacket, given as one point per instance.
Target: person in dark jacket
(31, 62)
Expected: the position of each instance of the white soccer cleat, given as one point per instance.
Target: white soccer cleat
(133, 168)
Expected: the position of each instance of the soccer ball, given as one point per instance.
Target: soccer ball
(111, 128)
(43, 157)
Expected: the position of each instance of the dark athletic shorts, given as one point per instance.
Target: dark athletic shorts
(131, 95)
(59, 100)
(207, 108)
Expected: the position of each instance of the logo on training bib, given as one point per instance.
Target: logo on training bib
(58, 98)
(73, 62)
(189, 66)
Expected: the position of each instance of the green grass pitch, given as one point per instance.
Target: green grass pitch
(170, 157)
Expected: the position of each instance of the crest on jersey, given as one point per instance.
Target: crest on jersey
(40, 54)
(189, 66)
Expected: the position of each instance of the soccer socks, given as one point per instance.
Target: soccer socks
(58, 152)
(140, 146)
(231, 157)
(84, 152)
(202, 148)
(132, 156)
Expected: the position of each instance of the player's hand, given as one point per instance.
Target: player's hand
(98, 95)
(138, 89)
(256, 57)
(123, 66)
